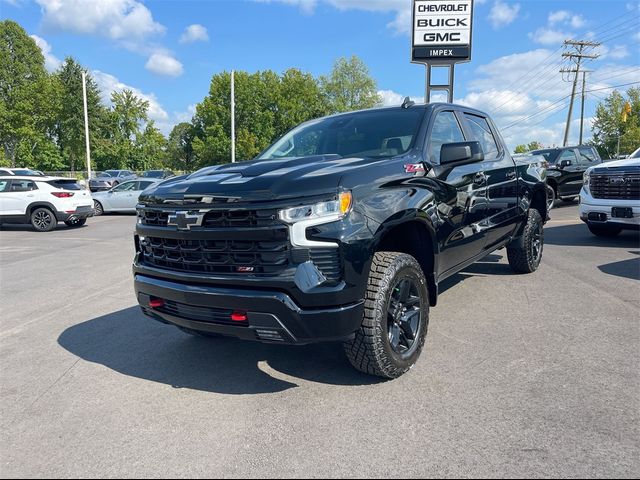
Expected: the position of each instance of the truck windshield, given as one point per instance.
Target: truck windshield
(370, 134)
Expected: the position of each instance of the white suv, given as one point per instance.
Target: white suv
(43, 201)
(610, 197)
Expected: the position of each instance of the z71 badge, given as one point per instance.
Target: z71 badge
(414, 168)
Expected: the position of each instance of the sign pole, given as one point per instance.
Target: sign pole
(442, 35)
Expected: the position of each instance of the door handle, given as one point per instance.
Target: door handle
(30, 195)
(511, 175)
(480, 178)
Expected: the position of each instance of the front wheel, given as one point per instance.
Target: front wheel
(604, 230)
(525, 253)
(396, 316)
(97, 208)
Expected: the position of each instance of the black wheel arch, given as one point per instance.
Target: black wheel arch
(46, 205)
(409, 232)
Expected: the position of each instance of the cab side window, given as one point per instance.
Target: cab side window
(482, 132)
(4, 185)
(568, 155)
(446, 129)
(587, 157)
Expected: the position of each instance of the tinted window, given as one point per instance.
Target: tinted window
(373, 134)
(446, 129)
(587, 156)
(22, 186)
(549, 155)
(482, 132)
(567, 155)
(3, 185)
(153, 174)
(26, 172)
(110, 173)
(123, 187)
(65, 184)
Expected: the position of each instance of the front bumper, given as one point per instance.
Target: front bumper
(271, 316)
(599, 211)
(84, 211)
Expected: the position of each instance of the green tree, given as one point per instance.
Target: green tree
(152, 148)
(528, 148)
(350, 86)
(180, 147)
(608, 125)
(28, 106)
(70, 127)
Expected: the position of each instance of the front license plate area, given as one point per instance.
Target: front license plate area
(621, 212)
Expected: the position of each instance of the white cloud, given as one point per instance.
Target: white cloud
(194, 33)
(51, 62)
(164, 64)
(618, 52)
(565, 17)
(549, 36)
(502, 14)
(186, 116)
(115, 19)
(559, 16)
(109, 84)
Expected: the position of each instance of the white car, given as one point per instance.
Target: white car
(610, 197)
(122, 198)
(44, 201)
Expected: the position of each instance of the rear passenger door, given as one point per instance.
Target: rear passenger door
(501, 180)
(462, 206)
(20, 194)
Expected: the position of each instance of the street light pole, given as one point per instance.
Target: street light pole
(233, 117)
(86, 126)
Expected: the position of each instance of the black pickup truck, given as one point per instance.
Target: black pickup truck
(340, 231)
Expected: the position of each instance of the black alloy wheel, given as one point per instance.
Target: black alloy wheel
(403, 317)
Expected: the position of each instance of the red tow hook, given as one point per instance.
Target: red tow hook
(156, 303)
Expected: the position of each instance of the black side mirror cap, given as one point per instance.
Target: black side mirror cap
(461, 153)
(565, 163)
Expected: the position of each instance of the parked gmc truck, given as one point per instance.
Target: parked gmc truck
(342, 230)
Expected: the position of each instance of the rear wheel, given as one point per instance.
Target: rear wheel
(78, 222)
(551, 197)
(604, 230)
(396, 316)
(525, 253)
(97, 208)
(43, 220)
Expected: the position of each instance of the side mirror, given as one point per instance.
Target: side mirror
(461, 153)
(565, 163)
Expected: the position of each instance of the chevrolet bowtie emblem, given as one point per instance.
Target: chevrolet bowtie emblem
(185, 220)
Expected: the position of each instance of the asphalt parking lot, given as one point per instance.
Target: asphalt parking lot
(535, 375)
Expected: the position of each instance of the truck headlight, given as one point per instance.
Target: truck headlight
(585, 179)
(331, 211)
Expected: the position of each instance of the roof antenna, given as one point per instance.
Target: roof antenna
(407, 103)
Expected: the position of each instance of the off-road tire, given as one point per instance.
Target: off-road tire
(522, 254)
(370, 351)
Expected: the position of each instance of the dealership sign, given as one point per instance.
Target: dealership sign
(442, 31)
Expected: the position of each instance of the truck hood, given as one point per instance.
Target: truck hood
(259, 180)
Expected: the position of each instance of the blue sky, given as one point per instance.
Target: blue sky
(168, 50)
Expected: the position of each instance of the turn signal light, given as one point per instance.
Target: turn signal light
(62, 194)
(239, 316)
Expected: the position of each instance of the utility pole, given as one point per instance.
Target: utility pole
(86, 126)
(584, 86)
(580, 48)
(233, 116)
